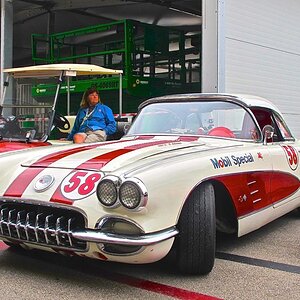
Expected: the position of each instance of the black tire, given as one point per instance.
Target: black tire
(196, 242)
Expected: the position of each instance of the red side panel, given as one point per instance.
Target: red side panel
(283, 186)
(252, 191)
(249, 191)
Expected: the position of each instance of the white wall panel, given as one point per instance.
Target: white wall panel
(262, 53)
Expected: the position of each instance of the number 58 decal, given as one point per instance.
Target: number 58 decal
(291, 155)
(79, 184)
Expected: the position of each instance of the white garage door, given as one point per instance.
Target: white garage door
(262, 53)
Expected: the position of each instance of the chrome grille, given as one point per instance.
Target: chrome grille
(44, 225)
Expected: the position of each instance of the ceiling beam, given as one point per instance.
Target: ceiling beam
(24, 17)
(45, 4)
(172, 5)
(83, 12)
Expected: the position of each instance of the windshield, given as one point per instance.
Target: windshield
(212, 118)
(25, 114)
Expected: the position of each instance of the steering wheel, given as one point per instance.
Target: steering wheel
(3, 122)
(12, 126)
(61, 121)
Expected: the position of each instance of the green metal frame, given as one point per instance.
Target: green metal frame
(151, 67)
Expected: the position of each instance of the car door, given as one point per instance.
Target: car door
(284, 153)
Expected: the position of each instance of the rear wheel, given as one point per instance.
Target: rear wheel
(196, 242)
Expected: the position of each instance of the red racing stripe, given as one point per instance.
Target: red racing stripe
(158, 288)
(52, 158)
(96, 163)
(18, 186)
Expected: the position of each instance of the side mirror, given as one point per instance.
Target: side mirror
(268, 133)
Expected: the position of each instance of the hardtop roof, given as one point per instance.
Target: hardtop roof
(242, 99)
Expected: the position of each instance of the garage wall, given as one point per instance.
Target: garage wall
(6, 43)
(262, 53)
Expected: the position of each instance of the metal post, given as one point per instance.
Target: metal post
(54, 104)
(68, 95)
(6, 42)
(57, 90)
(213, 46)
(3, 94)
(50, 30)
(2, 49)
(120, 96)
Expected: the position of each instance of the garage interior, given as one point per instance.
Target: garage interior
(157, 43)
(46, 17)
(244, 47)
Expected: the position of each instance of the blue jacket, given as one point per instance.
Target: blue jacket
(101, 118)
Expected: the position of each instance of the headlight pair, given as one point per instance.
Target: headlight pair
(131, 193)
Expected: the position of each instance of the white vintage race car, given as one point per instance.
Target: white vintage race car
(188, 166)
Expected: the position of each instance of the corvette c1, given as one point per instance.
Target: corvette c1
(190, 165)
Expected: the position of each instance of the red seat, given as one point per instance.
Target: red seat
(221, 131)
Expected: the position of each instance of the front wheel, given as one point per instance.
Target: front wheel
(196, 242)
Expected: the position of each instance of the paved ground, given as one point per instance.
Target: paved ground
(261, 265)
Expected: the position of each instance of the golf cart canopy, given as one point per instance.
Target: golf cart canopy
(56, 70)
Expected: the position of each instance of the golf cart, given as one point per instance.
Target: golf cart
(31, 97)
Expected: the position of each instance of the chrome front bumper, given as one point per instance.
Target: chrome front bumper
(64, 227)
(95, 236)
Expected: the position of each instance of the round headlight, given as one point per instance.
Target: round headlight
(133, 194)
(107, 192)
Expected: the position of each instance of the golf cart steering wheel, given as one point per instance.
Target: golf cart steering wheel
(61, 122)
(3, 122)
(12, 126)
